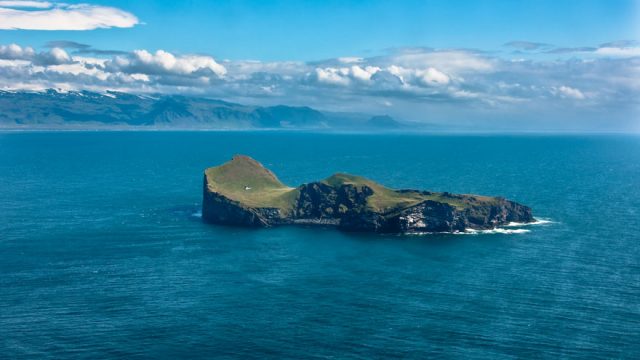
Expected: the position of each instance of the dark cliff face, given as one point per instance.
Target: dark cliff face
(346, 202)
(319, 200)
(345, 207)
(218, 209)
(432, 216)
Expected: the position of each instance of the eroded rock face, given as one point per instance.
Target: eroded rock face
(348, 206)
(345, 207)
(218, 209)
(319, 200)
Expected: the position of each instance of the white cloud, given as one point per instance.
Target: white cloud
(26, 4)
(140, 77)
(363, 74)
(14, 52)
(90, 60)
(399, 72)
(569, 92)
(449, 61)
(470, 81)
(333, 76)
(420, 77)
(78, 69)
(526, 45)
(619, 51)
(55, 56)
(37, 15)
(345, 75)
(350, 60)
(432, 76)
(14, 63)
(244, 69)
(142, 61)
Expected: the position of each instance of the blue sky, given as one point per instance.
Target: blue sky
(312, 30)
(551, 64)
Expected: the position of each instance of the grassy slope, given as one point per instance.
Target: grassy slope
(385, 199)
(266, 190)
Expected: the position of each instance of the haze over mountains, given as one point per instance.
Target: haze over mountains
(52, 109)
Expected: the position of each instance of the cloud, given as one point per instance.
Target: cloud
(65, 44)
(619, 51)
(79, 48)
(363, 74)
(101, 52)
(333, 76)
(345, 75)
(38, 15)
(453, 61)
(26, 4)
(79, 68)
(620, 48)
(163, 62)
(620, 44)
(417, 81)
(418, 77)
(569, 50)
(526, 45)
(16, 52)
(350, 59)
(432, 76)
(568, 92)
(55, 56)
(388, 82)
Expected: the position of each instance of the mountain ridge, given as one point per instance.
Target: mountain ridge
(53, 109)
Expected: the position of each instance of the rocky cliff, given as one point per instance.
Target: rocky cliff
(242, 192)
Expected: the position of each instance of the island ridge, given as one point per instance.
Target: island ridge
(242, 192)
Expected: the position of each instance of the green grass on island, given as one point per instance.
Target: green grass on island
(383, 198)
(245, 180)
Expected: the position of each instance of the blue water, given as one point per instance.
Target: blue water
(102, 254)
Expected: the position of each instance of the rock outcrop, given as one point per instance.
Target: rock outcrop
(242, 192)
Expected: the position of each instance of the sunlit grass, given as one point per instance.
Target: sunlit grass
(248, 182)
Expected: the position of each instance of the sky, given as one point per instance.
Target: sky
(518, 65)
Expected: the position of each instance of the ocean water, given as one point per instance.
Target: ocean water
(103, 255)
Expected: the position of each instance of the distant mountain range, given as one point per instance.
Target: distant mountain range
(53, 109)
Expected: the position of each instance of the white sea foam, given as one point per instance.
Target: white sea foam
(538, 221)
(496, 231)
(474, 232)
(197, 214)
(506, 229)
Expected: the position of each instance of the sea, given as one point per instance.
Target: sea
(103, 254)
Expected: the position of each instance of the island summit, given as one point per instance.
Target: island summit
(242, 192)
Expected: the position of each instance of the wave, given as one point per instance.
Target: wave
(538, 221)
(472, 232)
(505, 229)
(495, 231)
(197, 214)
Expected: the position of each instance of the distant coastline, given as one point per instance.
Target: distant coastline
(405, 132)
(55, 110)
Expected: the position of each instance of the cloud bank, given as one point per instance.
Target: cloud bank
(42, 15)
(420, 84)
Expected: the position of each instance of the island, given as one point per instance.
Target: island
(242, 192)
